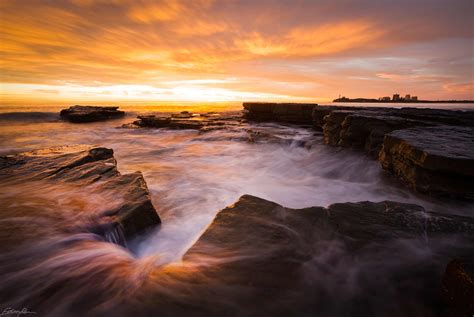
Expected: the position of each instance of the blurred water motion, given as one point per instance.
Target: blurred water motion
(191, 176)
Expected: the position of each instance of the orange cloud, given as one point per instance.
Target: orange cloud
(301, 49)
(463, 88)
(164, 11)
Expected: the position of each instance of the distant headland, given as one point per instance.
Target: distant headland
(399, 99)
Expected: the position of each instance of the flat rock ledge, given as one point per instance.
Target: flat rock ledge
(94, 169)
(258, 258)
(81, 114)
(283, 112)
(187, 120)
(437, 160)
(379, 132)
(330, 260)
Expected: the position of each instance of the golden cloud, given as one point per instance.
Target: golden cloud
(272, 49)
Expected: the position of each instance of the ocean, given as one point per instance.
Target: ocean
(192, 176)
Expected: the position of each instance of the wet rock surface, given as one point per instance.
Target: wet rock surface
(437, 160)
(284, 112)
(82, 114)
(362, 258)
(91, 169)
(367, 130)
(391, 134)
(458, 289)
(365, 127)
(186, 120)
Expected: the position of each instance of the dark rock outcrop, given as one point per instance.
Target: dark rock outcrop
(428, 116)
(320, 112)
(153, 121)
(269, 260)
(183, 115)
(458, 289)
(333, 125)
(81, 114)
(398, 131)
(282, 112)
(258, 258)
(93, 168)
(187, 120)
(437, 160)
(367, 131)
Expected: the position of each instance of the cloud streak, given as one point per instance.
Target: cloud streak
(271, 49)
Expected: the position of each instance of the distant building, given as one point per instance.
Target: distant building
(407, 97)
(384, 99)
(414, 98)
(396, 97)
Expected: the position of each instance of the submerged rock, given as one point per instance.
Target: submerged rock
(80, 114)
(94, 169)
(436, 160)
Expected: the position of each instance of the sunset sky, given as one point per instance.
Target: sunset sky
(145, 51)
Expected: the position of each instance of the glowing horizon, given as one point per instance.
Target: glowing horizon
(80, 51)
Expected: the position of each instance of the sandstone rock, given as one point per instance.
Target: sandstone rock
(267, 259)
(440, 116)
(255, 136)
(433, 116)
(319, 112)
(436, 160)
(182, 115)
(365, 127)
(333, 126)
(258, 258)
(209, 114)
(189, 121)
(79, 114)
(93, 168)
(153, 121)
(458, 289)
(283, 112)
(366, 130)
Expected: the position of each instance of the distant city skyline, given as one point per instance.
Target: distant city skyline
(84, 51)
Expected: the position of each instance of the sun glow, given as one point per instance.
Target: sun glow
(204, 50)
(187, 91)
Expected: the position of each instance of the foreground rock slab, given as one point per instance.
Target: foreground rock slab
(81, 114)
(258, 258)
(269, 260)
(73, 170)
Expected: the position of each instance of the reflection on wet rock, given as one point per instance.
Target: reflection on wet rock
(65, 169)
